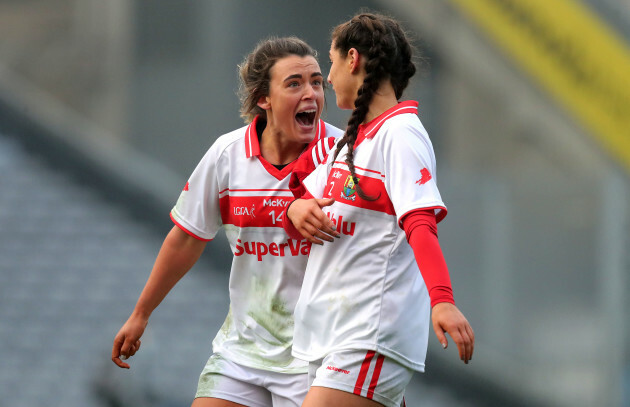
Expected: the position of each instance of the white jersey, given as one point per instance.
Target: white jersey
(235, 187)
(364, 290)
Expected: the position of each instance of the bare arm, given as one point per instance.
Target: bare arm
(178, 254)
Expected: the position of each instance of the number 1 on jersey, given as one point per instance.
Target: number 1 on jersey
(275, 220)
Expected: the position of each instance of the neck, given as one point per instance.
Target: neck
(384, 99)
(276, 149)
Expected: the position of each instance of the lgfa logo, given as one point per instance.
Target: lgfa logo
(244, 210)
(349, 189)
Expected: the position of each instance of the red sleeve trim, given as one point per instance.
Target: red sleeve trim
(421, 230)
(288, 225)
(188, 232)
(439, 216)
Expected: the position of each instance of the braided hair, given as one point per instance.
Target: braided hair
(389, 57)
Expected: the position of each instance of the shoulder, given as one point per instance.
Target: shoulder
(404, 136)
(232, 137)
(408, 125)
(407, 121)
(332, 131)
(234, 140)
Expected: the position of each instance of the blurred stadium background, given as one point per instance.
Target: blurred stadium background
(107, 106)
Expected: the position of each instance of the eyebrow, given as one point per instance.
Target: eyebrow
(298, 76)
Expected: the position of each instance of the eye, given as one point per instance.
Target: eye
(317, 82)
(294, 84)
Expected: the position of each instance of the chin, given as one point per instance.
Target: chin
(341, 104)
(306, 137)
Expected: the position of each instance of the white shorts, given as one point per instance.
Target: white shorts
(365, 373)
(227, 380)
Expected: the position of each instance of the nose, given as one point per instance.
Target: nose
(328, 79)
(309, 92)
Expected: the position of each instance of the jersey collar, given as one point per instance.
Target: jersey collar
(252, 148)
(252, 145)
(369, 130)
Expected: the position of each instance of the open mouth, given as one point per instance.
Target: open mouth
(306, 118)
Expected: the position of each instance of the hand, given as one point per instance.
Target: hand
(447, 317)
(127, 341)
(310, 220)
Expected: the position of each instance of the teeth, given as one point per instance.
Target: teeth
(306, 117)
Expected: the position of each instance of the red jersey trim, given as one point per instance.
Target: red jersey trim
(365, 366)
(375, 376)
(343, 163)
(252, 148)
(252, 145)
(323, 147)
(272, 170)
(340, 187)
(188, 232)
(253, 211)
(369, 129)
(438, 216)
(255, 190)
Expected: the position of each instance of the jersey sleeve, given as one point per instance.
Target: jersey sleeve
(409, 163)
(315, 182)
(421, 231)
(307, 162)
(197, 210)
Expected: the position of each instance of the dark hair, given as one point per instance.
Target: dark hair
(254, 71)
(389, 56)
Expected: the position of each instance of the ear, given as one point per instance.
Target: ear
(264, 103)
(354, 60)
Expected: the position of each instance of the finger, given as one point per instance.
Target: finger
(326, 230)
(125, 349)
(119, 362)
(463, 344)
(321, 221)
(309, 232)
(325, 202)
(316, 229)
(466, 347)
(135, 348)
(324, 236)
(326, 225)
(468, 336)
(468, 344)
(471, 337)
(329, 228)
(322, 231)
(439, 332)
(471, 334)
(118, 341)
(458, 343)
